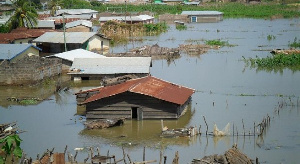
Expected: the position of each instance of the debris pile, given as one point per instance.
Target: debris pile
(104, 123)
(117, 80)
(196, 49)
(232, 156)
(286, 52)
(155, 51)
(8, 129)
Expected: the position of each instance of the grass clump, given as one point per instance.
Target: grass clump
(295, 43)
(275, 62)
(181, 27)
(216, 42)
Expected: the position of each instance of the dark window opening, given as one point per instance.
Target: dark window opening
(134, 112)
(85, 78)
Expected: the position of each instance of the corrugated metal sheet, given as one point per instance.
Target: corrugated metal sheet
(46, 24)
(58, 37)
(79, 22)
(149, 86)
(128, 18)
(76, 11)
(78, 53)
(201, 13)
(9, 51)
(112, 65)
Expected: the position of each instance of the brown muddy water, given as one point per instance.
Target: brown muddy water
(226, 92)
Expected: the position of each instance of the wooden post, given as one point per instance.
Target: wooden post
(66, 149)
(129, 158)
(162, 125)
(206, 124)
(160, 156)
(165, 159)
(144, 158)
(124, 155)
(75, 155)
(254, 129)
(176, 159)
(98, 150)
(233, 128)
(243, 126)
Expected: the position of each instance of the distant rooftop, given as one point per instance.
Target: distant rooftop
(77, 53)
(58, 37)
(201, 13)
(10, 51)
(78, 23)
(112, 65)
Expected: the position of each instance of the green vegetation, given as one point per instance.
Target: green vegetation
(29, 101)
(181, 27)
(119, 32)
(10, 145)
(216, 42)
(155, 28)
(275, 62)
(271, 37)
(230, 10)
(24, 15)
(295, 43)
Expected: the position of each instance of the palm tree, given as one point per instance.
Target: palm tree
(24, 15)
(54, 5)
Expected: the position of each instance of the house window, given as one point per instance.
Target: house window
(193, 19)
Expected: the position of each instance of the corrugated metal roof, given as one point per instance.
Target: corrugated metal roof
(10, 51)
(149, 86)
(128, 18)
(201, 13)
(112, 65)
(79, 22)
(46, 24)
(58, 37)
(77, 53)
(76, 11)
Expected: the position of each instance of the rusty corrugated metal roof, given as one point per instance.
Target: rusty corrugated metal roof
(149, 86)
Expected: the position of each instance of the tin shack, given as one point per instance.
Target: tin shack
(143, 98)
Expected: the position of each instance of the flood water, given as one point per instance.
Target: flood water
(227, 91)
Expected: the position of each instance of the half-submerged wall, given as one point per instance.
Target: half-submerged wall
(134, 106)
(28, 70)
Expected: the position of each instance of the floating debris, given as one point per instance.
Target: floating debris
(104, 123)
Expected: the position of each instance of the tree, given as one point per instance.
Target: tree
(54, 6)
(24, 15)
(10, 145)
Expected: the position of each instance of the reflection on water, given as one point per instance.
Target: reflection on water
(139, 133)
(225, 94)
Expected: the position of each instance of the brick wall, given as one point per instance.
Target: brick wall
(28, 70)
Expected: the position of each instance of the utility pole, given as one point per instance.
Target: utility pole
(125, 10)
(64, 27)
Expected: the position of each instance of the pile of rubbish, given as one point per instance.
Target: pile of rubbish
(8, 129)
(104, 123)
(232, 156)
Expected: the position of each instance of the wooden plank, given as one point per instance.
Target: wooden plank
(59, 158)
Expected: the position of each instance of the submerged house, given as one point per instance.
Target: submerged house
(109, 67)
(203, 16)
(142, 98)
(69, 56)
(21, 64)
(53, 42)
(79, 26)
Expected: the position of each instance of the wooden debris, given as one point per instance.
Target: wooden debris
(286, 52)
(155, 51)
(117, 80)
(182, 132)
(104, 123)
(231, 156)
(8, 129)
